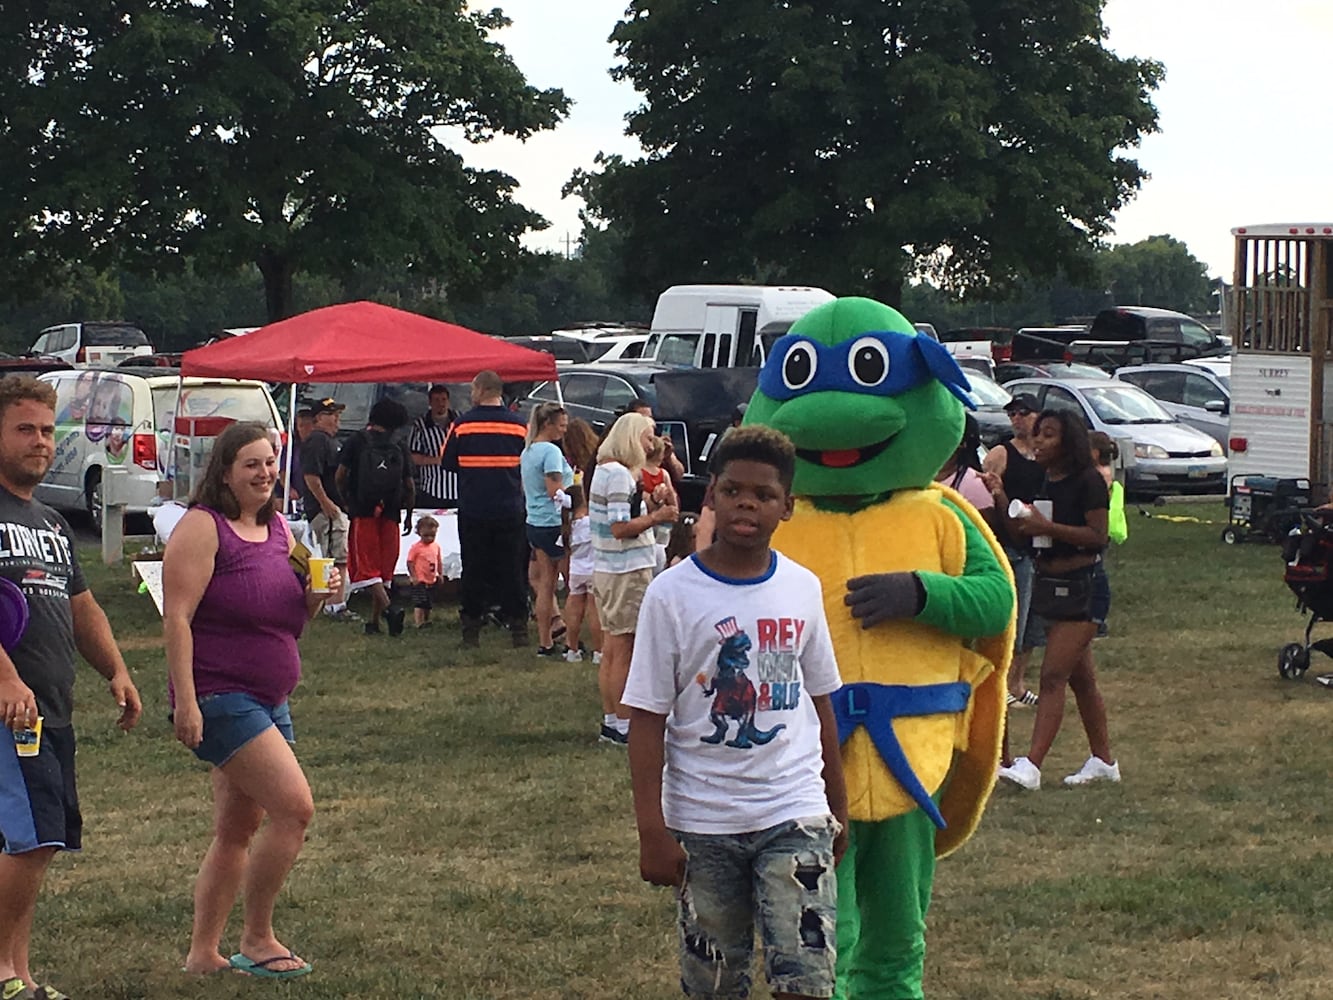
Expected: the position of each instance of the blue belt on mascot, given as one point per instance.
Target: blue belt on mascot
(875, 706)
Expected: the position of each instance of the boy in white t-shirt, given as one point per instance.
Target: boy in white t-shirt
(733, 746)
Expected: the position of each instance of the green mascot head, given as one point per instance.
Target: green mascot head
(871, 405)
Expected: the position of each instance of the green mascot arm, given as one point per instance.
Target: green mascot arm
(978, 603)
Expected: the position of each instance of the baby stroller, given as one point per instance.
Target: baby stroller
(1308, 552)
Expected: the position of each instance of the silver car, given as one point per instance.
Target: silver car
(1168, 456)
(1198, 396)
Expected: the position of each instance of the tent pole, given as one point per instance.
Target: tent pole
(559, 394)
(171, 436)
(291, 447)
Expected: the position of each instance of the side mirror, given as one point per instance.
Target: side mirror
(1218, 406)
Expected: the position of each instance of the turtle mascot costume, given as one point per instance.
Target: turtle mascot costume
(920, 602)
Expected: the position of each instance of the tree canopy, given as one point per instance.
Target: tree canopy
(290, 134)
(855, 143)
(1158, 271)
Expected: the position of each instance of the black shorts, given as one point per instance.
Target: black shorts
(421, 596)
(39, 802)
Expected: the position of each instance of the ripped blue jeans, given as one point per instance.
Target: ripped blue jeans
(780, 880)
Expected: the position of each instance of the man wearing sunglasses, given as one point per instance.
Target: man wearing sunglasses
(1010, 468)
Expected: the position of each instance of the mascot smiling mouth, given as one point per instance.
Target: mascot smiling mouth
(844, 458)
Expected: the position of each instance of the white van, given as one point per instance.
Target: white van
(109, 418)
(92, 343)
(725, 326)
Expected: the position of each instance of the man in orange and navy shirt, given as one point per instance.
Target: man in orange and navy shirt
(484, 448)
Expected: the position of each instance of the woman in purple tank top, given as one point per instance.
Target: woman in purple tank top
(233, 608)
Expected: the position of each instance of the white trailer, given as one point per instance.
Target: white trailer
(1280, 319)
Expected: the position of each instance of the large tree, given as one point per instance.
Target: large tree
(853, 143)
(291, 134)
(1158, 271)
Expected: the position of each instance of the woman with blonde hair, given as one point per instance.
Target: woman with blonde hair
(230, 585)
(623, 558)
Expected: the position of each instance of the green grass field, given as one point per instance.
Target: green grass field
(472, 840)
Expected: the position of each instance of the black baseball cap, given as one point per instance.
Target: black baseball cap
(327, 405)
(1023, 401)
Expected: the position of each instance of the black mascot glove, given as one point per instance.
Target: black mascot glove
(880, 597)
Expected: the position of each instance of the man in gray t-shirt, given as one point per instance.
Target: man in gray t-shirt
(39, 805)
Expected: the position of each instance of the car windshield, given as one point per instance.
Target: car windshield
(1225, 380)
(219, 399)
(1073, 369)
(113, 335)
(1125, 404)
(988, 393)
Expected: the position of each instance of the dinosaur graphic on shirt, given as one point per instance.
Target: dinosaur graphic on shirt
(733, 694)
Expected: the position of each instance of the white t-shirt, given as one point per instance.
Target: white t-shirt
(580, 547)
(706, 642)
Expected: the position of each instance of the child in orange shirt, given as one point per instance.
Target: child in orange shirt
(423, 563)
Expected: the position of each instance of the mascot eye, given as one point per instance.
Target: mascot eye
(798, 367)
(868, 361)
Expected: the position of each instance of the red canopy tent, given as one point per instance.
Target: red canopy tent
(365, 342)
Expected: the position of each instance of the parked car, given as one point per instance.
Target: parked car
(565, 350)
(990, 398)
(1194, 394)
(608, 343)
(150, 361)
(91, 343)
(1168, 456)
(1010, 370)
(692, 405)
(618, 350)
(981, 364)
(116, 418)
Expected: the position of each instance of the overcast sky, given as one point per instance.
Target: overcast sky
(1245, 132)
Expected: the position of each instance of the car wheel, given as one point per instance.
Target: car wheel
(92, 497)
(1293, 661)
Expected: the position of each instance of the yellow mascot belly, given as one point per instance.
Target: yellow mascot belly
(911, 531)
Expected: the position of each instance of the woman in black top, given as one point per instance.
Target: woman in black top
(1061, 595)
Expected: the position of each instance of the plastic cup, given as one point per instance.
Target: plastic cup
(319, 574)
(1019, 510)
(28, 742)
(1045, 509)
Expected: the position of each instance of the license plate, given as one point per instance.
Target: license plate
(1198, 471)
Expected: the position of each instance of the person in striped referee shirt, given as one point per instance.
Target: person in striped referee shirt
(437, 487)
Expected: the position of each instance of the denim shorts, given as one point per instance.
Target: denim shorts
(780, 880)
(233, 719)
(547, 540)
(1024, 570)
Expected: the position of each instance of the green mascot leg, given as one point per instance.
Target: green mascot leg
(884, 885)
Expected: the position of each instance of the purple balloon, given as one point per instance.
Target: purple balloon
(13, 614)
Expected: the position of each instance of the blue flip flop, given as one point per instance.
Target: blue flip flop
(261, 969)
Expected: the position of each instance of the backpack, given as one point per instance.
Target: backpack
(379, 474)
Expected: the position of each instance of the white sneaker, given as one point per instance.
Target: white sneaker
(597, 656)
(573, 656)
(1094, 769)
(1023, 773)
